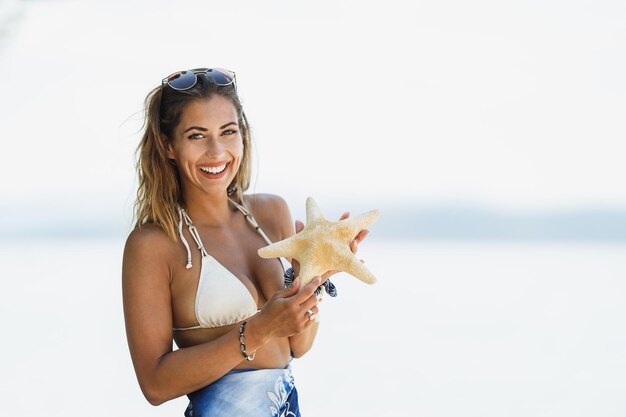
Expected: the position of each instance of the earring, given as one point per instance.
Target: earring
(232, 189)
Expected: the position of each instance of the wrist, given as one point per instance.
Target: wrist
(256, 333)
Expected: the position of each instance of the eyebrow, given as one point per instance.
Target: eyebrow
(204, 129)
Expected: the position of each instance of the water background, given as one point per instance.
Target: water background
(452, 328)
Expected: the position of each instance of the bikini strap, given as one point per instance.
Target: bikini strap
(251, 220)
(194, 234)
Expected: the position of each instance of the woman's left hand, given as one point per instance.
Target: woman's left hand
(354, 247)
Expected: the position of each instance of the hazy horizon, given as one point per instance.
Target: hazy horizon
(427, 221)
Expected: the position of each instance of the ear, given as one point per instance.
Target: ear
(169, 152)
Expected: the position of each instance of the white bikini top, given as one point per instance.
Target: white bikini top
(221, 298)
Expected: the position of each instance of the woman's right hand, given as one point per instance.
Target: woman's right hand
(286, 313)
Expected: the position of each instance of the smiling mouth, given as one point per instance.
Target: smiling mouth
(215, 170)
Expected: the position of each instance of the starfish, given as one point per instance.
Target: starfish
(324, 245)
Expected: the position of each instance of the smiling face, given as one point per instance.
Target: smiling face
(207, 145)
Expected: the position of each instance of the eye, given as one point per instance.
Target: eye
(229, 132)
(196, 136)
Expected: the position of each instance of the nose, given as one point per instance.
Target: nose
(214, 147)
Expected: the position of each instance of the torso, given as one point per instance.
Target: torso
(235, 247)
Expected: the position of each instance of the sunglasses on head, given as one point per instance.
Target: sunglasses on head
(184, 80)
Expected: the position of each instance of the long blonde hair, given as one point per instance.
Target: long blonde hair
(159, 193)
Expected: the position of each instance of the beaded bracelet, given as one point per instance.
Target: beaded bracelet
(242, 341)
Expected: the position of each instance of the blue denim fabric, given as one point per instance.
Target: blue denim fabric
(247, 393)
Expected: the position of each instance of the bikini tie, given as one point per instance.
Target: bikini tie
(329, 287)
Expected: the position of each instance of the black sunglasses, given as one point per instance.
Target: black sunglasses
(184, 80)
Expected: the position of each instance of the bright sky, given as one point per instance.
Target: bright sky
(519, 106)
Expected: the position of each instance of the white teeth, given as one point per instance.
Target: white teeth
(214, 170)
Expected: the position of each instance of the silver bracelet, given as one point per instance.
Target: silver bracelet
(242, 341)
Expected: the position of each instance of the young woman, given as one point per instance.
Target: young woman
(191, 272)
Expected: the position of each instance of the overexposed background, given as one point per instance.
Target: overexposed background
(490, 135)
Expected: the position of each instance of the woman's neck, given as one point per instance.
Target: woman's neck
(207, 210)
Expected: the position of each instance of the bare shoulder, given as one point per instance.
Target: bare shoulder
(272, 213)
(150, 237)
(261, 203)
(148, 245)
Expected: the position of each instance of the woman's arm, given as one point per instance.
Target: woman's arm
(164, 374)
